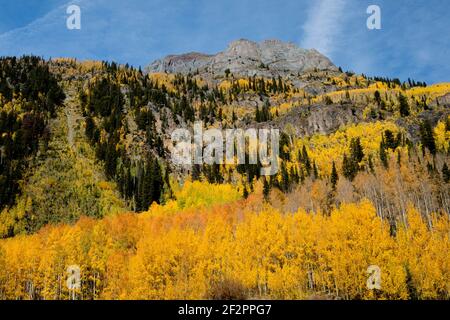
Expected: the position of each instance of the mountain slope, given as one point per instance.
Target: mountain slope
(116, 125)
(365, 159)
(64, 181)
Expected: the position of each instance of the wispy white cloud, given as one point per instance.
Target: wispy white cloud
(323, 25)
(41, 36)
(52, 16)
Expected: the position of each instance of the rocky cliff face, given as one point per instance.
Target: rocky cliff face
(247, 58)
(318, 119)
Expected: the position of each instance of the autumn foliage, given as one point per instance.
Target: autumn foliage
(372, 192)
(244, 249)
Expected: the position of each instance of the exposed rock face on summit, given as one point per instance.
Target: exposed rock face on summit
(247, 58)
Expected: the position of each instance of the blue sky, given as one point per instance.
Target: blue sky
(413, 41)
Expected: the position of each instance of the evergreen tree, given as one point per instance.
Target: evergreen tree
(284, 147)
(257, 115)
(334, 176)
(305, 160)
(233, 117)
(245, 192)
(383, 155)
(293, 175)
(196, 172)
(266, 189)
(427, 137)
(350, 165)
(446, 173)
(157, 182)
(389, 140)
(315, 171)
(377, 97)
(90, 128)
(404, 106)
(285, 181)
(356, 149)
(263, 115)
(348, 169)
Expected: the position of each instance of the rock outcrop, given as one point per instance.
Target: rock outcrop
(247, 58)
(318, 119)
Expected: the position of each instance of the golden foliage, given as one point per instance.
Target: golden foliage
(197, 194)
(442, 136)
(324, 149)
(262, 253)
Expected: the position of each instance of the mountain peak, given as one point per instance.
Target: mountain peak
(244, 57)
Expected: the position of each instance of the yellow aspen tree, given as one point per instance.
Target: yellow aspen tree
(290, 280)
(99, 251)
(425, 256)
(53, 266)
(116, 283)
(2, 274)
(216, 256)
(356, 239)
(260, 243)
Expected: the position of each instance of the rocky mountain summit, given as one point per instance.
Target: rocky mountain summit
(247, 58)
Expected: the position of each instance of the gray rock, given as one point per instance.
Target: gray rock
(183, 63)
(247, 58)
(443, 101)
(321, 119)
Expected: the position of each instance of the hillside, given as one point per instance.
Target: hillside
(87, 178)
(64, 181)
